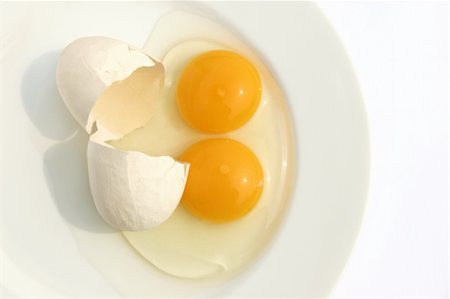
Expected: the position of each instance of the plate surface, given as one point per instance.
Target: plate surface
(54, 244)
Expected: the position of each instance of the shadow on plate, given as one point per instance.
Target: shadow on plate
(64, 164)
(41, 99)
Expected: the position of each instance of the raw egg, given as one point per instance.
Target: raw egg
(233, 126)
(218, 92)
(225, 180)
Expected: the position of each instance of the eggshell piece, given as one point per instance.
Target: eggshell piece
(89, 66)
(133, 191)
(111, 89)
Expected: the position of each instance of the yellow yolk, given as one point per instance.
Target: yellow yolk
(218, 92)
(225, 180)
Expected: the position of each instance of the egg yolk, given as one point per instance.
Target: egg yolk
(218, 92)
(225, 180)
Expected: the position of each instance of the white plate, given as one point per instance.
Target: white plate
(52, 240)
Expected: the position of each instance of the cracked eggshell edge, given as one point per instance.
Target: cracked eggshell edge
(131, 190)
(88, 66)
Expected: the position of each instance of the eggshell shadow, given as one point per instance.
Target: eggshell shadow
(64, 164)
(41, 99)
(66, 173)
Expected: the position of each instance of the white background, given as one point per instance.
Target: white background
(400, 53)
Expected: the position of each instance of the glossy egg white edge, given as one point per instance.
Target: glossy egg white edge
(132, 191)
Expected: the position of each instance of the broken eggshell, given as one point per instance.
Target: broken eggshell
(111, 89)
(132, 190)
(91, 70)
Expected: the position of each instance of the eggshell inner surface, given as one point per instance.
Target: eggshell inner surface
(89, 65)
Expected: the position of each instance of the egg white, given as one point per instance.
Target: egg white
(186, 246)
